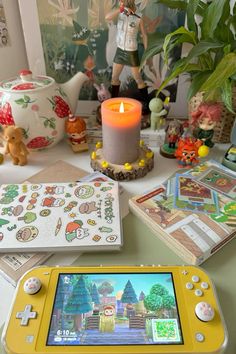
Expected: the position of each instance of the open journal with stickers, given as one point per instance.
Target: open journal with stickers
(57, 217)
(14, 264)
(194, 213)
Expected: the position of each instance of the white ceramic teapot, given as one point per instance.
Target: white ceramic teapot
(39, 105)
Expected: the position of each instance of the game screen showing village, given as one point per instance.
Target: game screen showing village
(115, 309)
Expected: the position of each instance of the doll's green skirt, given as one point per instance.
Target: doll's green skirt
(125, 57)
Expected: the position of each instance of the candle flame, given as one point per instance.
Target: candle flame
(122, 107)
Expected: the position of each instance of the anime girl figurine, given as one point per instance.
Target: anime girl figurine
(204, 120)
(128, 25)
(76, 131)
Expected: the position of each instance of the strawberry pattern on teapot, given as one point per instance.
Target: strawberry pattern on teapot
(38, 105)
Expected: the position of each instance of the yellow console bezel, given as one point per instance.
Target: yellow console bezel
(186, 313)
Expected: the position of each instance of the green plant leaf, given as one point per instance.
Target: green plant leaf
(203, 47)
(155, 45)
(226, 94)
(174, 4)
(212, 96)
(191, 10)
(201, 8)
(212, 17)
(223, 33)
(224, 70)
(197, 81)
(178, 69)
(190, 38)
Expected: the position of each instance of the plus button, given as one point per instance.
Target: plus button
(26, 315)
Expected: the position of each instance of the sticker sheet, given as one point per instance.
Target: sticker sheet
(193, 196)
(59, 217)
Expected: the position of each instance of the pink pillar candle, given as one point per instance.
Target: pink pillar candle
(121, 130)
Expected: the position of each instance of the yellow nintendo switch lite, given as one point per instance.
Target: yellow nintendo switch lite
(101, 310)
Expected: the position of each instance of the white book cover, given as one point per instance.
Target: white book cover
(60, 217)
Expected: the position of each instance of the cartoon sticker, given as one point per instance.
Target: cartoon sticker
(10, 228)
(36, 187)
(72, 215)
(22, 198)
(111, 238)
(70, 206)
(6, 200)
(11, 187)
(105, 229)
(7, 211)
(87, 208)
(3, 222)
(58, 226)
(28, 217)
(54, 190)
(35, 195)
(85, 191)
(105, 189)
(96, 238)
(74, 230)
(52, 202)
(17, 210)
(45, 212)
(91, 222)
(24, 188)
(27, 234)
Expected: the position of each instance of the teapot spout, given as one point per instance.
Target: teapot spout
(72, 89)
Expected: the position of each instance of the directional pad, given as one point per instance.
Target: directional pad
(26, 315)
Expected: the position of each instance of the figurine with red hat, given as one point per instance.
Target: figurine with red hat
(76, 131)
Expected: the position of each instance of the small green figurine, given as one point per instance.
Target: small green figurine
(158, 112)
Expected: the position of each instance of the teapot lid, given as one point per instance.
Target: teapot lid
(25, 82)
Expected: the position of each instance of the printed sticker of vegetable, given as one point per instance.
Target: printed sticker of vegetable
(3, 222)
(28, 217)
(71, 229)
(58, 226)
(105, 229)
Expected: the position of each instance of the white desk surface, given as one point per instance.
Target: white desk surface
(39, 160)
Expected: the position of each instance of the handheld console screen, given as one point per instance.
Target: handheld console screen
(115, 309)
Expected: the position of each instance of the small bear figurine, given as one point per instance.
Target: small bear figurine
(13, 136)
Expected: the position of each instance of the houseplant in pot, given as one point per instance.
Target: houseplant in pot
(211, 59)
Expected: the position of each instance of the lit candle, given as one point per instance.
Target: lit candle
(121, 122)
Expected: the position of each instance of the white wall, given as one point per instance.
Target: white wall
(13, 58)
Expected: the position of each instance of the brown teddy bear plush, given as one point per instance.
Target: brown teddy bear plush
(14, 145)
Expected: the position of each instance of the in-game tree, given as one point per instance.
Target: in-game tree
(95, 295)
(129, 296)
(105, 288)
(159, 299)
(80, 302)
(141, 296)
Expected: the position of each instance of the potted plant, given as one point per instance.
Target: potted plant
(211, 61)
